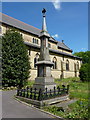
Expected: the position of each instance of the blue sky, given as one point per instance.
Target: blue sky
(67, 20)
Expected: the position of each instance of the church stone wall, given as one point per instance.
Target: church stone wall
(3, 29)
(53, 45)
(56, 73)
(33, 73)
(29, 38)
(66, 52)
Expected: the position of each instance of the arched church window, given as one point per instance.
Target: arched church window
(33, 40)
(36, 59)
(61, 65)
(63, 57)
(77, 65)
(74, 66)
(67, 65)
(55, 63)
(49, 45)
(37, 41)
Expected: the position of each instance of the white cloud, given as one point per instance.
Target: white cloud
(83, 49)
(55, 36)
(56, 4)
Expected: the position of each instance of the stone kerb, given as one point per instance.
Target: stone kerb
(40, 104)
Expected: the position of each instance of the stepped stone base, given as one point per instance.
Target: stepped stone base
(42, 103)
(44, 82)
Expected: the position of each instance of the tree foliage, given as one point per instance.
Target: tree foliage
(84, 55)
(15, 63)
(85, 68)
(84, 72)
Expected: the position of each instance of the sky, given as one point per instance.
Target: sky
(66, 21)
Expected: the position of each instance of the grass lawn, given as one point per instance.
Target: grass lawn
(76, 87)
(78, 90)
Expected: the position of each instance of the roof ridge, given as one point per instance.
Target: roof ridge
(63, 43)
(20, 21)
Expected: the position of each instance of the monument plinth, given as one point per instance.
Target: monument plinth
(44, 78)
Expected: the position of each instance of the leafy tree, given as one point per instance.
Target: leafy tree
(84, 72)
(15, 63)
(85, 56)
(85, 68)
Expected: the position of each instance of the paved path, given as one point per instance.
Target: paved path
(13, 109)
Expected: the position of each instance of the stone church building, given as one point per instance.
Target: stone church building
(65, 63)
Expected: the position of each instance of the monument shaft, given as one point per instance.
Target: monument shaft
(44, 78)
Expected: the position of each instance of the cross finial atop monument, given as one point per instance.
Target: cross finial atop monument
(44, 11)
(44, 27)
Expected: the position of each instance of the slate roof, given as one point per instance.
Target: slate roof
(18, 24)
(62, 45)
(28, 28)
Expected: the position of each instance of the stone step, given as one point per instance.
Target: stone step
(65, 104)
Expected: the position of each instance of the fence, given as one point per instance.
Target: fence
(43, 95)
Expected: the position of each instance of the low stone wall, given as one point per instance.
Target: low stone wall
(36, 103)
(56, 100)
(42, 103)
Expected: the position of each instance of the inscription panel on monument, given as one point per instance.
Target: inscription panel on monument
(41, 71)
(48, 71)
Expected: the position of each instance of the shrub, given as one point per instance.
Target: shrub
(84, 55)
(85, 68)
(84, 72)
